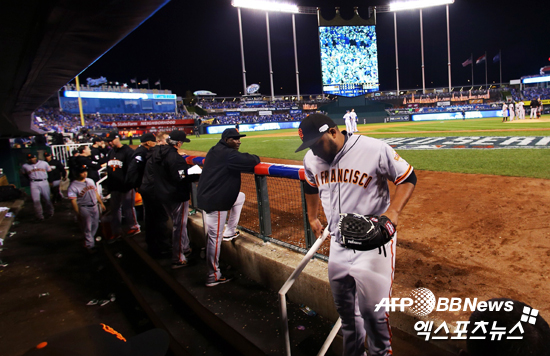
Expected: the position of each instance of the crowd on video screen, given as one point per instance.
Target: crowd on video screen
(348, 54)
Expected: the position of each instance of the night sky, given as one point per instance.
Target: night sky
(194, 45)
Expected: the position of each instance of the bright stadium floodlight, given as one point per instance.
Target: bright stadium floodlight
(266, 5)
(418, 4)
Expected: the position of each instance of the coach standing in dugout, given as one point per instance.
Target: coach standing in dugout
(98, 150)
(173, 188)
(350, 174)
(156, 217)
(218, 193)
(37, 172)
(122, 196)
(57, 173)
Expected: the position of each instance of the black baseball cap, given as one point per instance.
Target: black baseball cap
(178, 136)
(47, 154)
(312, 128)
(148, 137)
(231, 133)
(97, 139)
(81, 168)
(31, 156)
(111, 135)
(102, 340)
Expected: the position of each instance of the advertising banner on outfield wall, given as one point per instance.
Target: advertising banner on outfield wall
(149, 123)
(265, 113)
(476, 114)
(254, 127)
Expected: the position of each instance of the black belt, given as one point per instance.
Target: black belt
(38, 180)
(88, 206)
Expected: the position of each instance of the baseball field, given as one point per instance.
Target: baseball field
(478, 224)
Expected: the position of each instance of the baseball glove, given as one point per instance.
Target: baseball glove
(365, 232)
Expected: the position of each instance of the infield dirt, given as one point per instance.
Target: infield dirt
(469, 236)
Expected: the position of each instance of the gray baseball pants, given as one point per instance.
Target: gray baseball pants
(123, 202)
(179, 213)
(38, 190)
(359, 280)
(89, 221)
(215, 221)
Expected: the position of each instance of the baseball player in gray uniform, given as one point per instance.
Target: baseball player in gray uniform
(353, 120)
(84, 198)
(37, 172)
(350, 175)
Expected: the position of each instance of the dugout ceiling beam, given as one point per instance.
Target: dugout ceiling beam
(46, 43)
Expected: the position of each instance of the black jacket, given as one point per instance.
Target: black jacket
(58, 170)
(136, 168)
(92, 164)
(148, 180)
(117, 166)
(171, 182)
(220, 180)
(98, 155)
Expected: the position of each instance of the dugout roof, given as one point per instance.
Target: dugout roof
(45, 43)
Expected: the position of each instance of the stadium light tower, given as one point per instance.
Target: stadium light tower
(411, 5)
(268, 6)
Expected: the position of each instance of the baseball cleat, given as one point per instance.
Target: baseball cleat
(188, 252)
(232, 237)
(180, 264)
(221, 280)
(133, 232)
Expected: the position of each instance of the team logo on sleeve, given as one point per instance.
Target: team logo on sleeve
(182, 173)
(396, 156)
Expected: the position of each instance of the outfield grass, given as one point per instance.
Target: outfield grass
(533, 163)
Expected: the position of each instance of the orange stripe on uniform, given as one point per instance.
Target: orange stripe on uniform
(404, 176)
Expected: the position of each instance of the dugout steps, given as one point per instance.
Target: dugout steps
(242, 316)
(239, 317)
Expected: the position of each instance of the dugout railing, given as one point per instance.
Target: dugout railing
(275, 208)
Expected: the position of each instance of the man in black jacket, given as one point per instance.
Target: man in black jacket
(57, 173)
(219, 192)
(122, 196)
(173, 188)
(136, 169)
(156, 218)
(85, 158)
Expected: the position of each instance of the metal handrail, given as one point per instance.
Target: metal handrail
(288, 284)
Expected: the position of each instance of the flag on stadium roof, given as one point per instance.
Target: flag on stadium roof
(496, 58)
(467, 62)
(145, 81)
(157, 82)
(133, 81)
(481, 59)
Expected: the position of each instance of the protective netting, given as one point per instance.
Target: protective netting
(285, 202)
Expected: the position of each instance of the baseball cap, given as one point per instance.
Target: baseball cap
(102, 340)
(111, 135)
(31, 156)
(47, 154)
(81, 168)
(148, 137)
(178, 135)
(312, 128)
(231, 133)
(96, 139)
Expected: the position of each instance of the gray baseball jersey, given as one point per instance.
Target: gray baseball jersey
(38, 171)
(83, 192)
(357, 182)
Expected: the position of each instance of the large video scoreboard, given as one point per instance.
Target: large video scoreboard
(349, 59)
